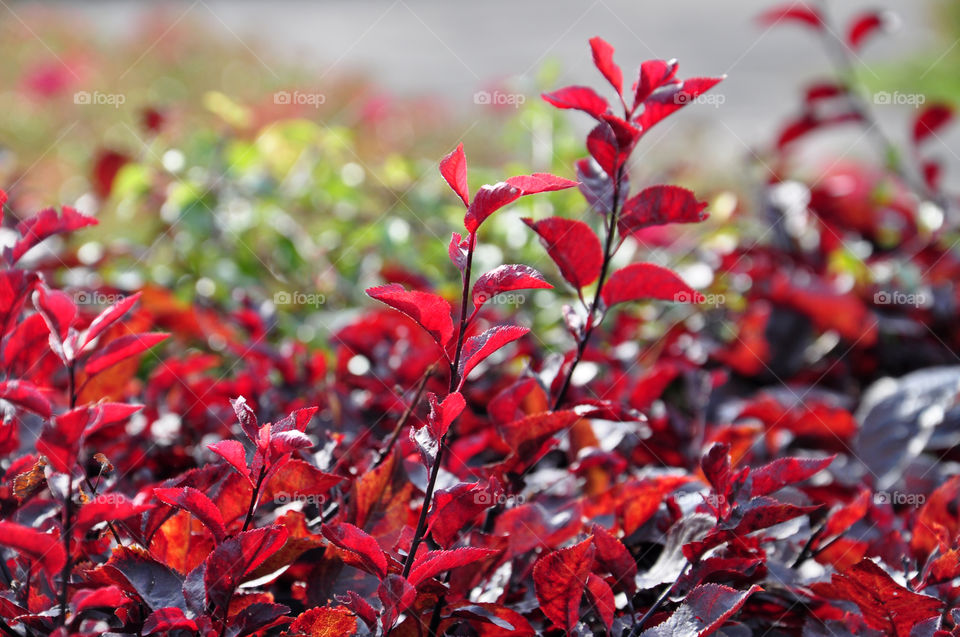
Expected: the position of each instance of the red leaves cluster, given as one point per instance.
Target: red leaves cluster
(670, 487)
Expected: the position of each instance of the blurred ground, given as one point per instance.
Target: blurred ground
(454, 49)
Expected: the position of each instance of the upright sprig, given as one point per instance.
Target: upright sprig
(584, 258)
(434, 314)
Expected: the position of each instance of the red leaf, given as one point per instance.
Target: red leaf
(573, 246)
(453, 167)
(442, 415)
(658, 205)
(506, 278)
(430, 311)
(487, 201)
(582, 98)
(559, 578)
(602, 598)
(886, 606)
(783, 471)
(539, 182)
(526, 435)
(793, 13)
(107, 318)
(603, 60)
(702, 612)
(167, 619)
(121, 349)
(233, 452)
(604, 148)
(433, 563)
(60, 438)
(106, 507)
(847, 515)
(109, 597)
(653, 75)
(44, 224)
(350, 538)
(198, 505)
(668, 101)
(298, 479)
(477, 348)
(454, 509)
(644, 281)
(865, 25)
(930, 120)
(614, 557)
(26, 396)
(41, 548)
(58, 311)
(235, 558)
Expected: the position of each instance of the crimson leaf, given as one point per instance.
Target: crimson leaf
(783, 471)
(506, 278)
(121, 349)
(573, 246)
(865, 25)
(886, 606)
(653, 75)
(477, 348)
(107, 318)
(43, 548)
(559, 578)
(197, 504)
(453, 167)
(433, 563)
(430, 311)
(539, 182)
(354, 540)
(671, 99)
(642, 281)
(930, 120)
(582, 98)
(658, 205)
(44, 224)
(487, 201)
(603, 60)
